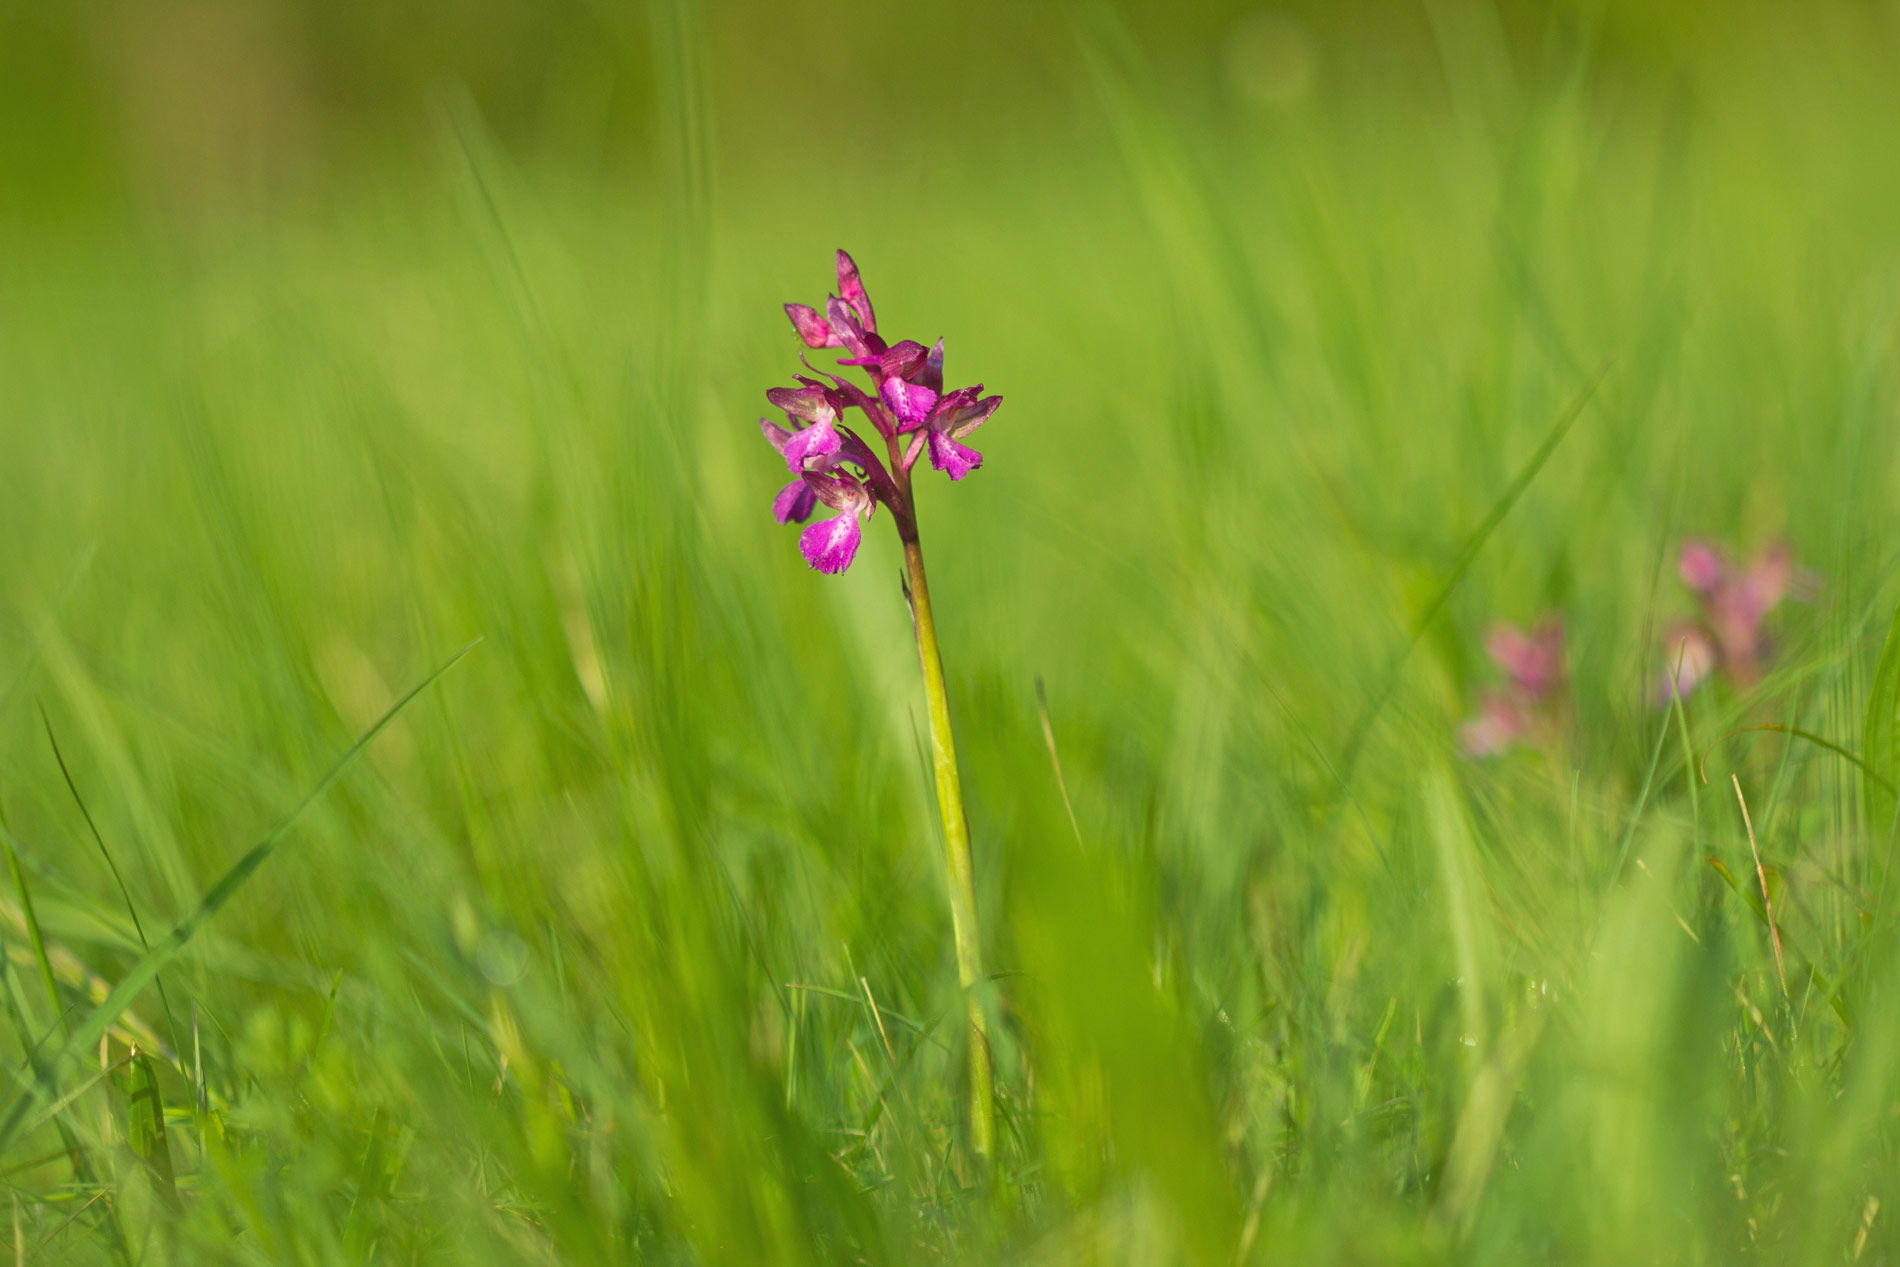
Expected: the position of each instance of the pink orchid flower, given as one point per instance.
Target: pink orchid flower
(1727, 635)
(1533, 667)
(828, 460)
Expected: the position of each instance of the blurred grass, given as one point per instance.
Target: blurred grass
(627, 942)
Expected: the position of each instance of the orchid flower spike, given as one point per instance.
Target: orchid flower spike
(829, 461)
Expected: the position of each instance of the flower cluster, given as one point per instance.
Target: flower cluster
(1533, 667)
(906, 405)
(1727, 636)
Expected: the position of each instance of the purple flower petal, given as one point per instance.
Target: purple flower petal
(842, 490)
(813, 404)
(910, 403)
(778, 435)
(1534, 661)
(1691, 656)
(794, 502)
(817, 441)
(903, 360)
(972, 416)
(855, 449)
(830, 544)
(932, 376)
(851, 286)
(1769, 578)
(810, 326)
(850, 393)
(1701, 566)
(1500, 723)
(844, 323)
(949, 456)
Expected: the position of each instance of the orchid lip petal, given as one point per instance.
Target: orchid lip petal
(818, 441)
(952, 458)
(910, 403)
(831, 544)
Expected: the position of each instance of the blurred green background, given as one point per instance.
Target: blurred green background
(334, 336)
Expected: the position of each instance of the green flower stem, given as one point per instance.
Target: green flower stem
(956, 845)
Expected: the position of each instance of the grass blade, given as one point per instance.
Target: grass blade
(1362, 725)
(1868, 772)
(154, 960)
(138, 926)
(145, 1127)
(1642, 799)
(33, 933)
(1880, 734)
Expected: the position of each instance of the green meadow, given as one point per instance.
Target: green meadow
(448, 823)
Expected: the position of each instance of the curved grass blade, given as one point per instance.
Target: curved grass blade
(1362, 725)
(52, 1111)
(1873, 776)
(131, 908)
(88, 1033)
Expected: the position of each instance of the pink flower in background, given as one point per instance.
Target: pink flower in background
(1727, 635)
(1526, 706)
(906, 399)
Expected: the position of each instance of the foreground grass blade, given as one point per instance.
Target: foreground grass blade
(145, 1127)
(150, 964)
(1642, 800)
(131, 908)
(1880, 753)
(33, 933)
